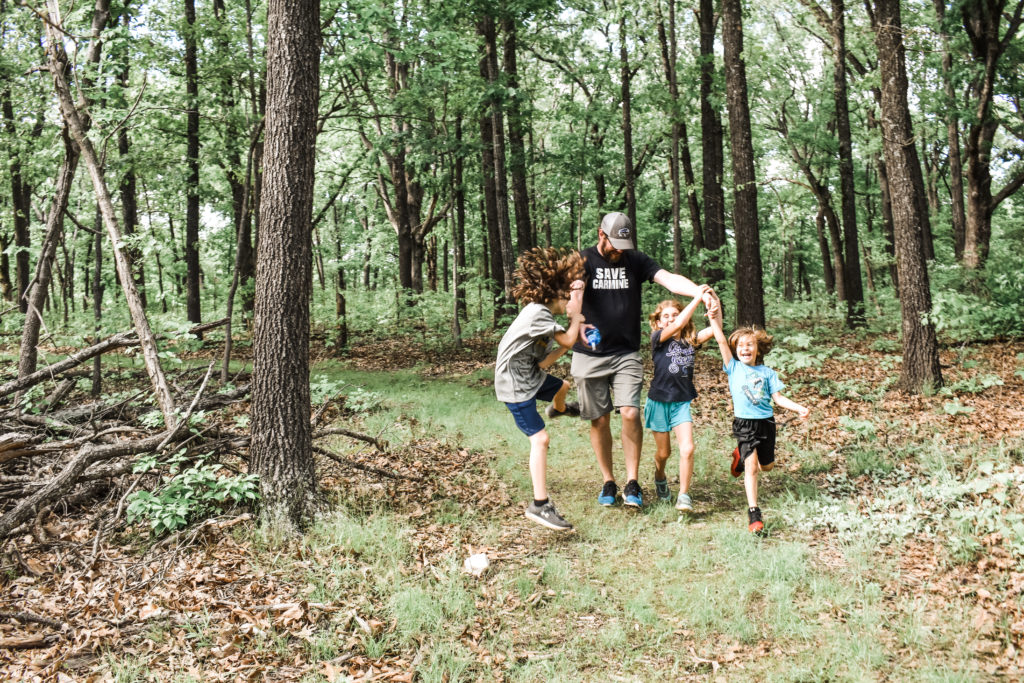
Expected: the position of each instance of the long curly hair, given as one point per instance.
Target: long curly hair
(688, 331)
(761, 338)
(544, 274)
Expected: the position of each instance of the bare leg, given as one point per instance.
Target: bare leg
(559, 400)
(662, 448)
(601, 441)
(684, 435)
(539, 464)
(632, 440)
(751, 468)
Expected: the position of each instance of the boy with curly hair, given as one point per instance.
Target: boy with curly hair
(753, 387)
(548, 281)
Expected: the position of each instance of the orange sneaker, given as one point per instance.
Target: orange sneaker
(755, 526)
(737, 463)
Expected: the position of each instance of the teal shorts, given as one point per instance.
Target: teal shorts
(663, 417)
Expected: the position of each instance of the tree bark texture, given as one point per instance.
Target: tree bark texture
(920, 371)
(78, 126)
(193, 304)
(711, 135)
(627, 127)
(851, 263)
(749, 284)
(516, 147)
(281, 434)
(21, 198)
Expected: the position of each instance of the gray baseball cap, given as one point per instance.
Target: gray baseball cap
(619, 230)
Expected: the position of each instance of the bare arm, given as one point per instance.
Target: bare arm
(723, 343)
(714, 310)
(565, 340)
(685, 315)
(683, 286)
(789, 404)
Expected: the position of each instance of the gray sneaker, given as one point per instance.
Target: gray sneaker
(547, 515)
(683, 503)
(664, 494)
(572, 409)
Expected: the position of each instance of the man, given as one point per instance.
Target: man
(610, 374)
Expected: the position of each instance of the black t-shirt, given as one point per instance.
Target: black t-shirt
(611, 301)
(673, 370)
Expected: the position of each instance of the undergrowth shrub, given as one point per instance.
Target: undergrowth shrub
(970, 305)
(189, 491)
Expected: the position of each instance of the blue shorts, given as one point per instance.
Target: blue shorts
(525, 413)
(662, 417)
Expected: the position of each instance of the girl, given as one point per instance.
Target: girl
(548, 282)
(674, 342)
(753, 387)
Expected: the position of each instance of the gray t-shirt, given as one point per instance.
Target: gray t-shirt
(517, 377)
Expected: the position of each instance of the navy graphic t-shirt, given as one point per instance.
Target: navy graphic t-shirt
(673, 370)
(611, 301)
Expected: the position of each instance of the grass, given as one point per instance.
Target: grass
(646, 595)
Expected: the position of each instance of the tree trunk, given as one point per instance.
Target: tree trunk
(78, 126)
(35, 297)
(459, 238)
(920, 371)
(193, 305)
(97, 301)
(21, 198)
(829, 273)
(627, 128)
(749, 285)
(851, 263)
(711, 136)
(281, 435)
(517, 151)
(956, 171)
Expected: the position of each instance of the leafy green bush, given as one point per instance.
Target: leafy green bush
(983, 305)
(187, 494)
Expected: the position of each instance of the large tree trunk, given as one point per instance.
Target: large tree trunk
(851, 264)
(193, 305)
(127, 187)
(711, 136)
(517, 151)
(749, 285)
(281, 434)
(920, 371)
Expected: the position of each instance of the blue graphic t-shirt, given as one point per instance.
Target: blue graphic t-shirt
(673, 370)
(752, 388)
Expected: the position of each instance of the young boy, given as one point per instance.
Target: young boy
(548, 280)
(753, 387)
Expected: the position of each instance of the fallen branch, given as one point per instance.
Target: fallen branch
(379, 445)
(115, 342)
(203, 327)
(366, 468)
(29, 618)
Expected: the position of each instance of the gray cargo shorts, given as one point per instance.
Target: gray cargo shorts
(599, 378)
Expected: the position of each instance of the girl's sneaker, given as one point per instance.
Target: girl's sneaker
(755, 525)
(547, 515)
(683, 503)
(662, 488)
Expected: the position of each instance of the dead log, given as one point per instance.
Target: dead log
(14, 445)
(62, 482)
(115, 342)
(204, 327)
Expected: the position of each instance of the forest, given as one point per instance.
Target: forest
(256, 258)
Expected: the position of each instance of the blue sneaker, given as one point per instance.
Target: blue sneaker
(608, 493)
(632, 495)
(664, 495)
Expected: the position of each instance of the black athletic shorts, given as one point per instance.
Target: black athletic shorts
(755, 435)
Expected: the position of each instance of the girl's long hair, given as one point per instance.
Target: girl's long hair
(545, 274)
(688, 331)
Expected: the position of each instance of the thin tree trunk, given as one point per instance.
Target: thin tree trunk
(829, 273)
(193, 304)
(97, 301)
(712, 155)
(627, 127)
(517, 151)
(749, 285)
(57, 62)
(459, 238)
(851, 262)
